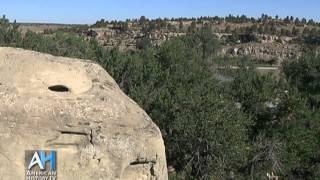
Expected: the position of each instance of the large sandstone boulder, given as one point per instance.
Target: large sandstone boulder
(74, 107)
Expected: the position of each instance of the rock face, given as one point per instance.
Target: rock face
(74, 107)
(263, 51)
(127, 40)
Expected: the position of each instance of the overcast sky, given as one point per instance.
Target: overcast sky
(88, 11)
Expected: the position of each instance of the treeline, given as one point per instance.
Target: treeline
(241, 126)
(216, 19)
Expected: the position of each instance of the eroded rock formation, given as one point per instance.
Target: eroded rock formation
(263, 51)
(74, 107)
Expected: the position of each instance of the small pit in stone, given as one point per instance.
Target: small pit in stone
(59, 88)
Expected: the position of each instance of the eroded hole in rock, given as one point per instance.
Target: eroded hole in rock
(59, 88)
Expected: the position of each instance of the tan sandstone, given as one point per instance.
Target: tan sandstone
(98, 132)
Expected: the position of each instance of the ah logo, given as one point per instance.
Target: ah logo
(40, 158)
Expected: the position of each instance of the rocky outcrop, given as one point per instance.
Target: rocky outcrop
(258, 46)
(263, 51)
(74, 107)
(127, 40)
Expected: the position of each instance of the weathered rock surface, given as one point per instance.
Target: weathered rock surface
(98, 132)
(263, 51)
(127, 40)
(261, 46)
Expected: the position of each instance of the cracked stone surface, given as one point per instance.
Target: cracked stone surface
(98, 132)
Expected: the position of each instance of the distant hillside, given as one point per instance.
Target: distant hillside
(41, 27)
(267, 38)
